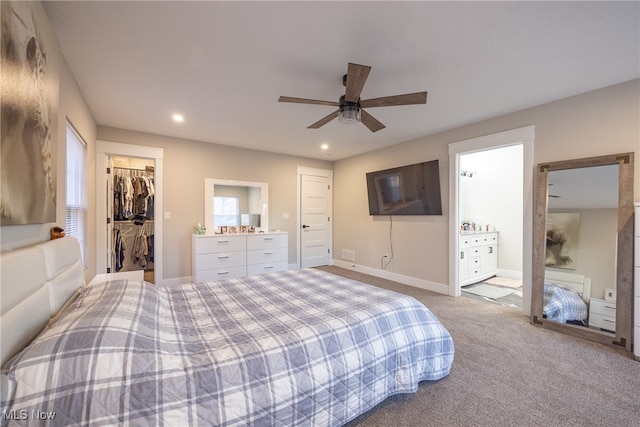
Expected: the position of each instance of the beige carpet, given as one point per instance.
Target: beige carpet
(508, 372)
(505, 282)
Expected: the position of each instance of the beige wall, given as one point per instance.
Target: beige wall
(187, 163)
(600, 122)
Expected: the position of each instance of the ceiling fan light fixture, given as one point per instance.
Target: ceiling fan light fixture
(349, 114)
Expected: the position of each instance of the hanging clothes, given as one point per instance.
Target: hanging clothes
(119, 248)
(133, 193)
(133, 209)
(140, 249)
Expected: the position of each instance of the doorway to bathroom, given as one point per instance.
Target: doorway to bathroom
(491, 216)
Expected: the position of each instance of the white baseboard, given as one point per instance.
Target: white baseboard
(406, 280)
(511, 274)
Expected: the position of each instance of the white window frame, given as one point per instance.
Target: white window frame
(76, 189)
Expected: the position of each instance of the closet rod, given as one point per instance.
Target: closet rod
(147, 169)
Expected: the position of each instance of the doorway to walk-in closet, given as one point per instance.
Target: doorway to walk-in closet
(491, 218)
(129, 209)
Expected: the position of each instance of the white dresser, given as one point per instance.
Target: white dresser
(215, 257)
(602, 314)
(636, 305)
(478, 257)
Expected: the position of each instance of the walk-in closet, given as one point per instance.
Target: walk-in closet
(131, 215)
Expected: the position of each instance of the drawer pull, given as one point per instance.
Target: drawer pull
(268, 238)
(223, 256)
(269, 253)
(608, 306)
(610, 321)
(266, 267)
(222, 241)
(220, 273)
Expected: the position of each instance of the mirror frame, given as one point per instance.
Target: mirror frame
(210, 183)
(624, 261)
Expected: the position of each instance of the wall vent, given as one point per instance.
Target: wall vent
(348, 254)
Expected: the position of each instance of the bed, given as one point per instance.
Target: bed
(300, 347)
(566, 297)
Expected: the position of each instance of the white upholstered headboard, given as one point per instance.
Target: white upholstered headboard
(35, 282)
(579, 282)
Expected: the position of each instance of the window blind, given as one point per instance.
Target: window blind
(76, 209)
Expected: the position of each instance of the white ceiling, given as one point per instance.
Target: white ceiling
(584, 188)
(223, 65)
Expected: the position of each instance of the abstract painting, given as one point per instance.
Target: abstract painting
(563, 232)
(29, 93)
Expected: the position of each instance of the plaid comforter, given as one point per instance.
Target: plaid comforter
(301, 347)
(563, 304)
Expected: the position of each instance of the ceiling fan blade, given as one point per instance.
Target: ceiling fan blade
(387, 101)
(324, 120)
(356, 78)
(371, 122)
(307, 101)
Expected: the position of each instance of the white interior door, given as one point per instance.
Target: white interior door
(109, 202)
(315, 221)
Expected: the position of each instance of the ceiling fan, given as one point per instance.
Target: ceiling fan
(350, 106)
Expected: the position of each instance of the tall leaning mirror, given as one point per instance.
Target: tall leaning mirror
(583, 248)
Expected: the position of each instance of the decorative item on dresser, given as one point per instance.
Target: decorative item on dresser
(478, 257)
(216, 257)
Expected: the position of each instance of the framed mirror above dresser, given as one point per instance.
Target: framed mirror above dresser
(252, 203)
(583, 248)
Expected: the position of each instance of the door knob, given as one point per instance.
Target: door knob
(305, 226)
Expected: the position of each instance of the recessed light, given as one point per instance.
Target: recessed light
(178, 118)
(325, 146)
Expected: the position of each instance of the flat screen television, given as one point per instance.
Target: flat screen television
(405, 190)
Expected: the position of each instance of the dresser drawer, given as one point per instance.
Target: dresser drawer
(601, 307)
(489, 238)
(204, 245)
(265, 241)
(636, 309)
(477, 239)
(220, 260)
(220, 274)
(266, 268)
(600, 321)
(267, 255)
(469, 240)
